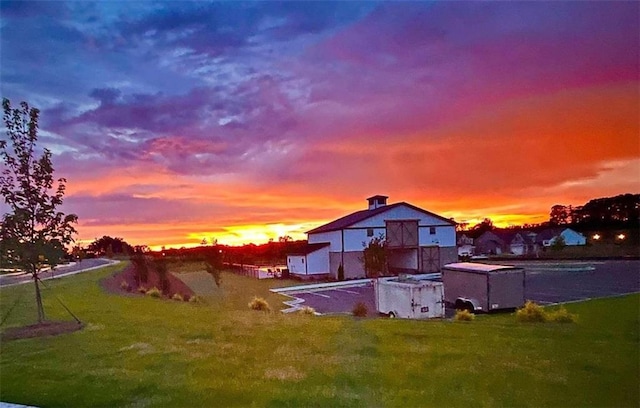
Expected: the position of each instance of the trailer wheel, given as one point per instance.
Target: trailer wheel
(469, 307)
(392, 315)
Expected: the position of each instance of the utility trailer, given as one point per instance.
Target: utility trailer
(479, 287)
(409, 298)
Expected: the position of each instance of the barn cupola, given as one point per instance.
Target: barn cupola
(377, 201)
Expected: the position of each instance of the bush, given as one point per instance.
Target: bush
(360, 310)
(531, 313)
(306, 310)
(178, 297)
(340, 272)
(260, 304)
(195, 299)
(154, 292)
(562, 315)
(142, 289)
(464, 315)
(125, 286)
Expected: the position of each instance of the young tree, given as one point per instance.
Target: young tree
(34, 231)
(374, 257)
(213, 264)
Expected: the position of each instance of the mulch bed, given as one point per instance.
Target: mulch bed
(47, 328)
(114, 284)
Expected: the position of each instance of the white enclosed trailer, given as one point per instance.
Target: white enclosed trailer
(480, 287)
(409, 298)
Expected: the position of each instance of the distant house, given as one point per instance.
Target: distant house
(549, 236)
(465, 245)
(513, 242)
(417, 241)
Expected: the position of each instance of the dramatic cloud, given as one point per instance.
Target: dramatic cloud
(175, 121)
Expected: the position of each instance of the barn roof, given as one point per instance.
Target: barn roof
(309, 248)
(353, 218)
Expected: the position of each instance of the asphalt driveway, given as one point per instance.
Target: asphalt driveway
(546, 282)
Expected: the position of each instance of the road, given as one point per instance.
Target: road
(64, 270)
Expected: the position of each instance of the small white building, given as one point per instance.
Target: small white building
(417, 240)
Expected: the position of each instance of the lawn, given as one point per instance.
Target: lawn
(140, 351)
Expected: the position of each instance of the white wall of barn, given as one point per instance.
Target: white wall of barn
(318, 261)
(297, 264)
(353, 238)
(334, 238)
(445, 236)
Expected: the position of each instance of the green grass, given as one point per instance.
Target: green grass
(141, 351)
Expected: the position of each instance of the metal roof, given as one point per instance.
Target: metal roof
(479, 267)
(309, 248)
(353, 218)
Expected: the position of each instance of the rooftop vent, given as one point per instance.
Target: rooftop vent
(377, 201)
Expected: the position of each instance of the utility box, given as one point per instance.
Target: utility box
(409, 298)
(479, 287)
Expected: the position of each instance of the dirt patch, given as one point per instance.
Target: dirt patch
(48, 328)
(124, 282)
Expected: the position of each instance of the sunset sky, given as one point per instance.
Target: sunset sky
(175, 121)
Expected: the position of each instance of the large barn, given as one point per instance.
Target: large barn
(418, 241)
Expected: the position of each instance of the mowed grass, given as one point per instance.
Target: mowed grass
(140, 351)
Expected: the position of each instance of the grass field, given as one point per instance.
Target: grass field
(140, 351)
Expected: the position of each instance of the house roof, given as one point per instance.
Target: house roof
(309, 248)
(548, 234)
(353, 218)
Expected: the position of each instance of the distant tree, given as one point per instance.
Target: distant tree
(374, 258)
(285, 238)
(462, 226)
(560, 215)
(34, 232)
(484, 226)
(204, 242)
(110, 246)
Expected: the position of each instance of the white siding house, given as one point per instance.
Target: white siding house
(418, 240)
(548, 237)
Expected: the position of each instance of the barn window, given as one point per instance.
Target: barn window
(432, 230)
(369, 232)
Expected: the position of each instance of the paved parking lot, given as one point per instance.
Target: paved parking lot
(545, 283)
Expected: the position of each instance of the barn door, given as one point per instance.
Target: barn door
(430, 259)
(402, 234)
(394, 234)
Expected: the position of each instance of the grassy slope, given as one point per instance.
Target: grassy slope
(147, 352)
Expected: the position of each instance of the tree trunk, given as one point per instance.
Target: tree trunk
(38, 299)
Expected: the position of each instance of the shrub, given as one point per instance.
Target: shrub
(464, 315)
(195, 299)
(142, 289)
(125, 286)
(178, 297)
(340, 272)
(154, 292)
(260, 304)
(562, 315)
(360, 310)
(531, 313)
(306, 310)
